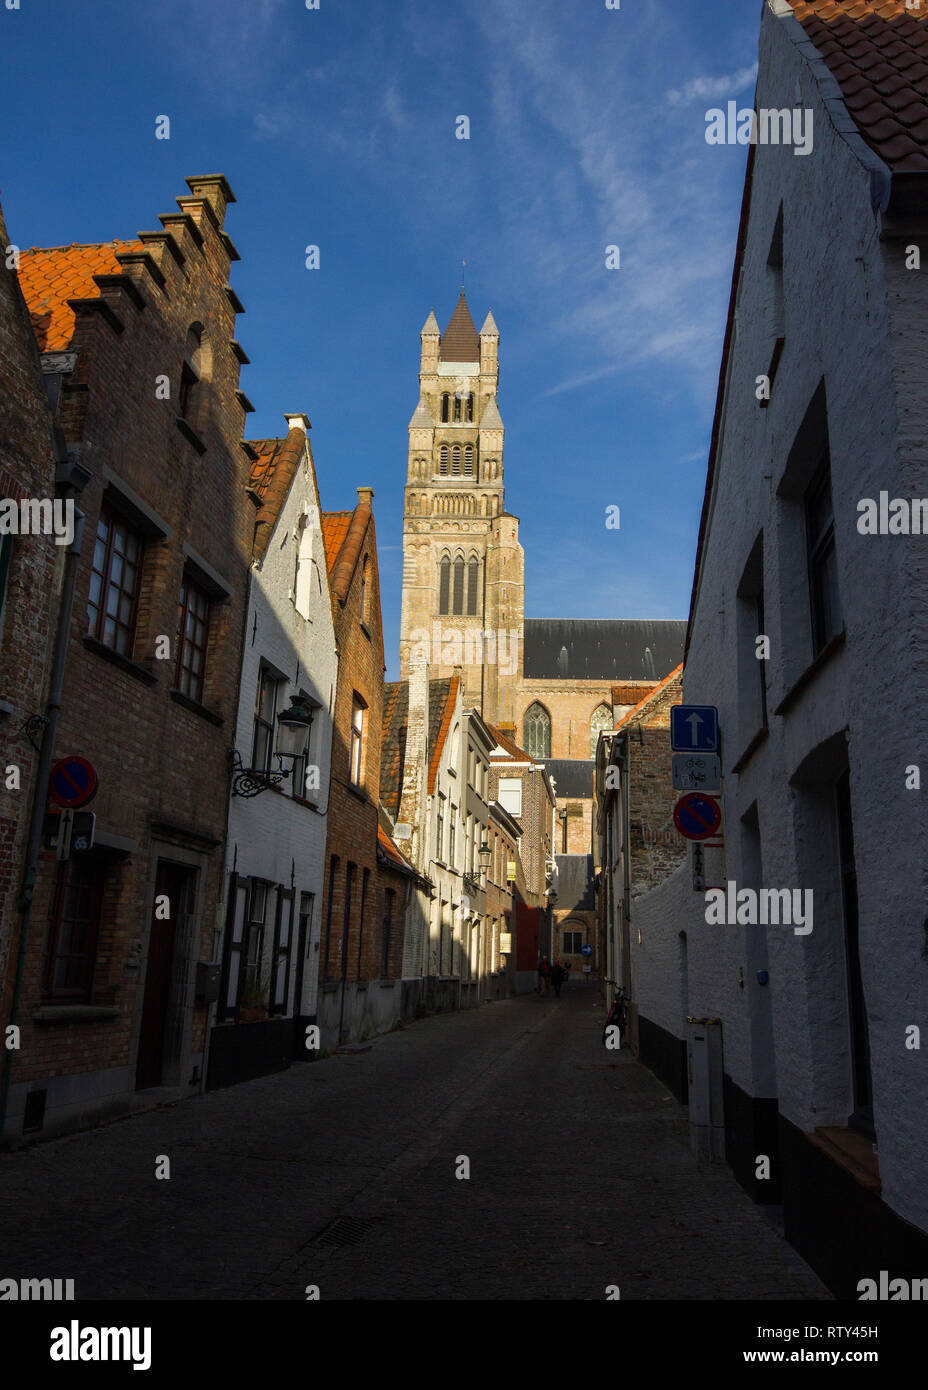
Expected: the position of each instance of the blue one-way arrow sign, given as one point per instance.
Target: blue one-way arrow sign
(694, 729)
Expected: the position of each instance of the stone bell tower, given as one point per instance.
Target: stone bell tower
(463, 566)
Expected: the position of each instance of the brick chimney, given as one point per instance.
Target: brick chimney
(365, 495)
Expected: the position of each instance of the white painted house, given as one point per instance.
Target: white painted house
(270, 929)
(816, 1073)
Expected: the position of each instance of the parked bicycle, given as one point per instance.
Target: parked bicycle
(618, 1014)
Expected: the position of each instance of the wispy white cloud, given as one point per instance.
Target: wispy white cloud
(711, 88)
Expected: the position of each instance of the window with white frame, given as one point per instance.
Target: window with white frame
(510, 795)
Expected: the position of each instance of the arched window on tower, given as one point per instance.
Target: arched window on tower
(445, 408)
(444, 584)
(602, 719)
(469, 460)
(458, 592)
(457, 407)
(456, 460)
(443, 459)
(469, 408)
(536, 731)
(473, 575)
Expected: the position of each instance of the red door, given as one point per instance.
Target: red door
(170, 883)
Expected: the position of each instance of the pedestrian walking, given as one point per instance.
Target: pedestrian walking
(544, 976)
(558, 974)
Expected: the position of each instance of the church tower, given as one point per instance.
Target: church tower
(463, 566)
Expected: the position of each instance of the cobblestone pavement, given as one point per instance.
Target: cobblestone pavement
(341, 1174)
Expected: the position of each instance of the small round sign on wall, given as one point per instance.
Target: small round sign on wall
(697, 816)
(73, 781)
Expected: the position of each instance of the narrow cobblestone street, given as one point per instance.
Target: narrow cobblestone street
(580, 1177)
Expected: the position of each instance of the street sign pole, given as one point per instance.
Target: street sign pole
(63, 842)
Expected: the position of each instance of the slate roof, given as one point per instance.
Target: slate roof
(610, 650)
(877, 51)
(50, 277)
(459, 342)
(574, 776)
(442, 697)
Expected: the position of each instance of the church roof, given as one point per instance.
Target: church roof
(611, 650)
(459, 341)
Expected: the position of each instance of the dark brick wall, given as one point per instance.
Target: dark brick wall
(159, 762)
(30, 609)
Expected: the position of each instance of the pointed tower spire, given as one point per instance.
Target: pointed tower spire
(459, 341)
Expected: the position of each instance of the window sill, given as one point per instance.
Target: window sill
(828, 651)
(357, 791)
(851, 1151)
(190, 434)
(131, 668)
(75, 1013)
(365, 629)
(759, 738)
(195, 707)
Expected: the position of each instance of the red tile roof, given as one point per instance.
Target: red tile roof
(49, 278)
(442, 699)
(334, 530)
(511, 747)
(389, 851)
(271, 477)
(440, 715)
(877, 51)
(639, 709)
(343, 535)
(631, 692)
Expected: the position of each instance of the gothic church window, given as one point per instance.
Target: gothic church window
(602, 719)
(473, 570)
(443, 459)
(469, 460)
(537, 731)
(456, 460)
(458, 593)
(445, 404)
(444, 585)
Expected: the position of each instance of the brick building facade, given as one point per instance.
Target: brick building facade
(364, 893)
(30, 571)
(140, 338)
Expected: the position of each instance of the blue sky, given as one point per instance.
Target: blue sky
(336, 127)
